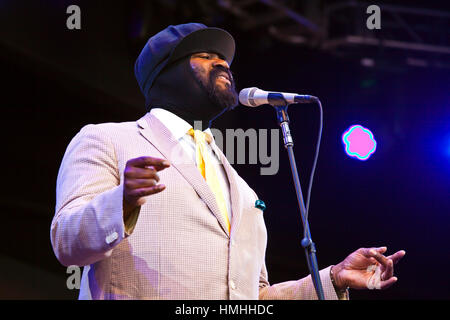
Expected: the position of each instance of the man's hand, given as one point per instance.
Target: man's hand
(355, 271)
(140, 180)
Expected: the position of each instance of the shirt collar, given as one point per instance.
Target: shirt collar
(176, 125)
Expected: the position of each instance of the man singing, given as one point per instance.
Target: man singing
(153, 210)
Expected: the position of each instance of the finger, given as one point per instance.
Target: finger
(389, 271)
(131, 184)
(160, 167)
(381, 249)
(372, 252)
(140, 173)
(141, 162)
(143, 192)
(386, 265)
(397, 256)
(387, 283)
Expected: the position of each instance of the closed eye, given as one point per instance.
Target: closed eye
(207, 56)
(202, 56)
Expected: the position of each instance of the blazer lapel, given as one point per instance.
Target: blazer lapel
(159, 136)
(236, 203)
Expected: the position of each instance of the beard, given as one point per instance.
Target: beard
(224, 98)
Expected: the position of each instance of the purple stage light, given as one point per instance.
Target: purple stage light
(359, 142)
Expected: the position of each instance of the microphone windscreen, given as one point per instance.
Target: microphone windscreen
(246, 95)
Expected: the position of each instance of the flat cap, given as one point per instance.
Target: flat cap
(176, 42)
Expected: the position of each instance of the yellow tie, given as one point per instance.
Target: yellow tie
(206, 168)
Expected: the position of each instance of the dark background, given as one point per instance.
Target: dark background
(55, 80)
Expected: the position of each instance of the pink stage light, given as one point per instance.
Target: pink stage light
(359, 142)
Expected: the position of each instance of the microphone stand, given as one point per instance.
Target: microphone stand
(307, 243)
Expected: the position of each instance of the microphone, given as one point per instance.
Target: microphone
(253, 97)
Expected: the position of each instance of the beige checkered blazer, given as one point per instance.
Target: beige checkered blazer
(176, 245)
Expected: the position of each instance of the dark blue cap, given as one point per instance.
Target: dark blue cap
(176, 42)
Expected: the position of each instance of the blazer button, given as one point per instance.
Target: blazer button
(111, 238)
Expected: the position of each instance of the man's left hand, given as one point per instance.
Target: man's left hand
(355, 271)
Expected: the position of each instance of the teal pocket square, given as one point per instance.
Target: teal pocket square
(260, 205)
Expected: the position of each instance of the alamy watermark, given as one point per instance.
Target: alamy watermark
(374, 20)
(74, 280)
(244, 147)
(73, 22)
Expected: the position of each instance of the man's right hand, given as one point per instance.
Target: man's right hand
(140, 180)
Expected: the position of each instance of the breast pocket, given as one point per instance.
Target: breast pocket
(252, 232)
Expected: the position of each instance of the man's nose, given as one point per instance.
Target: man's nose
(220, 62)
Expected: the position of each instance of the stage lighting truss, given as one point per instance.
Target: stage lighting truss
(413, 36)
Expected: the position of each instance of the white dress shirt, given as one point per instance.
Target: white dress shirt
(179, 128)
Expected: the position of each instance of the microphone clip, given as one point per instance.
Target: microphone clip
(283, 121)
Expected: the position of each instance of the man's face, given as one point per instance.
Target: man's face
(214, 75)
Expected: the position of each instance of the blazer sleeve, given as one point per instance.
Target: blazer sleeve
(302, 289)
(88, 221)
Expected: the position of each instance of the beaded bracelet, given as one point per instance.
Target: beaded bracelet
(334, 283)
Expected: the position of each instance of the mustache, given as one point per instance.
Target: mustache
(219, 70)
(226, 99)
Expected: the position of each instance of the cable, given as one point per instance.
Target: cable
(316, 156)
